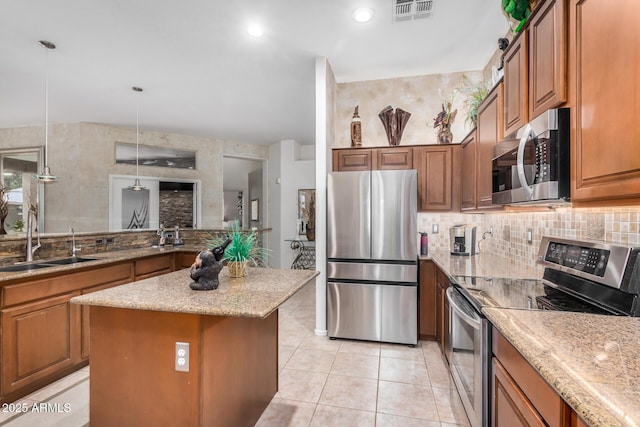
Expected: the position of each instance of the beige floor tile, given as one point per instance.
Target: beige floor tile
(303, 386)
(360, 347)
(350, 392)
(449, 406)
(407, 400)
(59, 386)
(290, 413)
(401, 351)
(453, 425)
(388, 420)
(291, 333)
(306, 359)
(15, 409)
(284, 354)
(320, 343)
(326, 416)
(404, 371)
(430, 348)
(439, 375)
(356, 365)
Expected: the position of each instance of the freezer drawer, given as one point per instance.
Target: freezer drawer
(387, 313)
(368, 271)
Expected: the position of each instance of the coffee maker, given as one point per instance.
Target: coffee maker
(463, 239)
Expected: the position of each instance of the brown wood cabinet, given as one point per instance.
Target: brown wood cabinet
(427, 317)
(489, 134)
(185, 259)
(547, 57)
(353, 159)
(604, 92)
(153, 266)
(438, 185)
(442, 311)
(468, 173)
(392, 158)
(521, 397)
(516, 80)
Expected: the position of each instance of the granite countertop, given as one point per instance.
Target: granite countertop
(98, 259)
(258, 294)
(481, 265)
(590, 360)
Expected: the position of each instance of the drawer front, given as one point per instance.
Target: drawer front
(153, 266)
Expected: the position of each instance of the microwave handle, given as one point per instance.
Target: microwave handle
(528, 133)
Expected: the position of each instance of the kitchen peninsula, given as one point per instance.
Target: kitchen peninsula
(232, 360)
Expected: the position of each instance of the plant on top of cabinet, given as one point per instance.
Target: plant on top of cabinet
(475, 92)
(443, 121)
(518, 10)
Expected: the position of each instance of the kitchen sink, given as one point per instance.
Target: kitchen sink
(66, 261)
(23, 267)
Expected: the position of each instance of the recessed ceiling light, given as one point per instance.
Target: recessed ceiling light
(362, 15)
(255, 30)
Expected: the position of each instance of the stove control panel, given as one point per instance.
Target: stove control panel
(581, 258)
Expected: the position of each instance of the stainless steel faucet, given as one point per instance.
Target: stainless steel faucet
(31, 249)
(160, 233)
(74, 248)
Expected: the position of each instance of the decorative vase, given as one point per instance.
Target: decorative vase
(2, 230)
(356, 129)
(444, 135)
(311, 234)
(237, 268)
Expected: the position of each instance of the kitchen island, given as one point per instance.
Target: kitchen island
(228, 376)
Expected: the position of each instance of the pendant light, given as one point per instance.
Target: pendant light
(46, 175)
(137, 186)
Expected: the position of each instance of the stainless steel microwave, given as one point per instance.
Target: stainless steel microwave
(532, 164)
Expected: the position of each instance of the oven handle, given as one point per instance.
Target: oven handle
(526, 134)
(455, 303)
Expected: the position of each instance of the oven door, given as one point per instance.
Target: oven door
(468, 356)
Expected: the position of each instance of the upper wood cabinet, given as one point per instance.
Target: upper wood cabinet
(547, 57)
(438, 186)
(535, 66)
(516, 72)
(468, 172)
(489, 133)
(392, 158)
(604, 88)
(355, 159)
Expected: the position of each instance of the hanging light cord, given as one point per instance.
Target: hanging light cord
(46, 108)
(137, 133)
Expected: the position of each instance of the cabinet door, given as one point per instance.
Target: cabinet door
(39, 339)
(489, 134)
(442, 315)
(605, 81)
(357, 159)
(427, 300)
(547, 57)
(185, 259)
(511, 408)
(153, 266)
(516, 106)
(434, 165)
(392, 158)
(468, 172)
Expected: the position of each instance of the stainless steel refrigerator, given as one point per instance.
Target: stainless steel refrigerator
(372, 265)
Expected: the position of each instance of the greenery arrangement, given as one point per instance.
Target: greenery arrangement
(475, 92)
(445, 118)
(244, 246)
(18, 225)
(518, 10)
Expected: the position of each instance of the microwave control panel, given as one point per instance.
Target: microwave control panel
(581, 258)
(543, 161)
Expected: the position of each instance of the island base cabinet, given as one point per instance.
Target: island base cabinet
(232, 377)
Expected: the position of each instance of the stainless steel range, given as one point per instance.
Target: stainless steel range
(580, 276)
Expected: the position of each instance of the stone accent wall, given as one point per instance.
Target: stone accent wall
(176, 208)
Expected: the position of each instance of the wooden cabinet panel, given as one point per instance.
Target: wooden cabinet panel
(395, 158)
(435, 165)
(511, 408)
(604, 93)
(468, 172)
(547, 57)
(516, 79)
(153, 266)
(547, 402)
(427, 318)
(442, 315)
(489, 134)
(356, 159)
(38, 339)
(185, 259)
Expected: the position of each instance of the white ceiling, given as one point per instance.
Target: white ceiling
(203, 74)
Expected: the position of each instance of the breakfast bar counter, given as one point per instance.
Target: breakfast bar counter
(140, 376)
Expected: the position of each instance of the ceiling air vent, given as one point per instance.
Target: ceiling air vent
(407, 10)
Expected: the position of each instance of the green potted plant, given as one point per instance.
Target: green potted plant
(475, 92)
(242, 250)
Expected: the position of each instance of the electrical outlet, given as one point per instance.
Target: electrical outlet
(435, 229)
(529, 236)
(490, 231)
(182, 356)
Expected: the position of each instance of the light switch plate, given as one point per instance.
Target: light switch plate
(435, 229)
(182, 356)
(529, 236)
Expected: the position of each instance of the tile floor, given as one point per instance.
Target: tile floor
(322, 383)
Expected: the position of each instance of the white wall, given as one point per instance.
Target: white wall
(236, 178)
(294, 173)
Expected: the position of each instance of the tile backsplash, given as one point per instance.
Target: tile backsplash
(509, 239)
